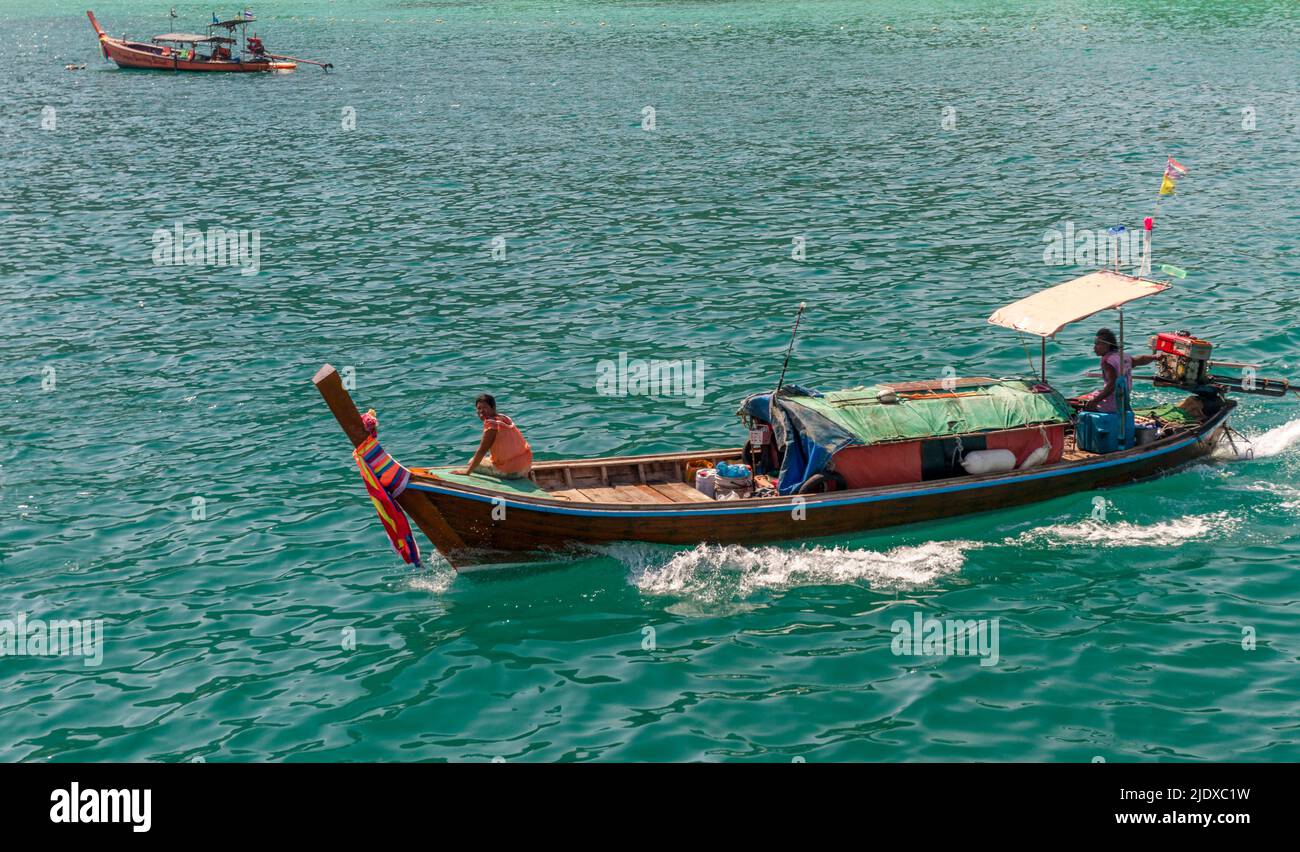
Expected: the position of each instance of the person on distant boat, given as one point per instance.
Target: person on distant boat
(508, 452)
(1107, 346)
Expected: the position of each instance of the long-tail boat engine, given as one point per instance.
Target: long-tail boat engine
(1183, 361)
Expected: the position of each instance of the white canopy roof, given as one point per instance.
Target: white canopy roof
(1048, 311)
(188, 38)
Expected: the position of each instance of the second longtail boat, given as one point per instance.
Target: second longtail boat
(227, 47)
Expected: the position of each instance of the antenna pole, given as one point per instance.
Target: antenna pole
(788, 350)
(1148, 224)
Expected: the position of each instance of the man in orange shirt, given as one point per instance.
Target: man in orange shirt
(509, 455)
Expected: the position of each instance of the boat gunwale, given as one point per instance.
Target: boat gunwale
(681, 455)
(754, 505)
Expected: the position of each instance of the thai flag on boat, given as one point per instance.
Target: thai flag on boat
(1173, 171)
(385, 480)
(248, 14)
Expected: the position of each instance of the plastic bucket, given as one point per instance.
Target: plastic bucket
(705, 480)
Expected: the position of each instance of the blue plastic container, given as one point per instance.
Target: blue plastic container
(1100, 431)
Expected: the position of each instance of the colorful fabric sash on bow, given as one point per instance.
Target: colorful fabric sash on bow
(385, 480)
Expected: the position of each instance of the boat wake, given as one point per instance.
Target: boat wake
(718, 573)
(1289, 495)
(1125, 534)
(430, 582)
(1271, 443)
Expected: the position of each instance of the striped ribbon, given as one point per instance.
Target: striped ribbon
(385, 480)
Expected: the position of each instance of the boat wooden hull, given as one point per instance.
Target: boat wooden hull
(494, 526)
(127, 56)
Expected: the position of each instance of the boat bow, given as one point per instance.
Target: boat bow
(417, 505)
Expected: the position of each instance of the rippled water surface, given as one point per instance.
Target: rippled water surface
(132, 389)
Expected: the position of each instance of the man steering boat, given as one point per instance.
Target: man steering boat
(1116, 372)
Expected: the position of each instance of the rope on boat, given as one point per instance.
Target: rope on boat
(1032, 369)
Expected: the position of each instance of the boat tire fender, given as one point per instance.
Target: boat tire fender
(820, 483)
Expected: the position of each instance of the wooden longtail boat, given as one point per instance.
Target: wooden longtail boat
(213, 52)
(646, 498)
(480, 520)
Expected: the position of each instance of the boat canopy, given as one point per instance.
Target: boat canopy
(189, 38)
(813, 426)
(1048, 311)
(231, 24)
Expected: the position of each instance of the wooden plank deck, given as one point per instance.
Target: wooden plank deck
(680, 492)
(573, 495)
(651, 493)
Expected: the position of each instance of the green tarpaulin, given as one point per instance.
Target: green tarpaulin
(876, 414)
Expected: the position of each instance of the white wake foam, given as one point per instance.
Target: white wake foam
(431, 582)
(717, 573)
(1126, 534)
(1290, 494)
(1271, 443)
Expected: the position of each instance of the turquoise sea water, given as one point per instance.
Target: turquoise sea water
(131, 389)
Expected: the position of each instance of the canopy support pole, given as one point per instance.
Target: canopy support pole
(1128, 381)
(1043, 359)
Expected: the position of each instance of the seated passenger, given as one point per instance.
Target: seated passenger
(508, 451)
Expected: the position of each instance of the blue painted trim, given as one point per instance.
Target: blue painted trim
(785, 506)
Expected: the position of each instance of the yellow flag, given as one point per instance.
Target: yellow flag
(1166, 186)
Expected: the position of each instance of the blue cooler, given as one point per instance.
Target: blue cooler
(1099, 431)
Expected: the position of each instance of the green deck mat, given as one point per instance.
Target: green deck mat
(490, 483)
(1170, 413)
